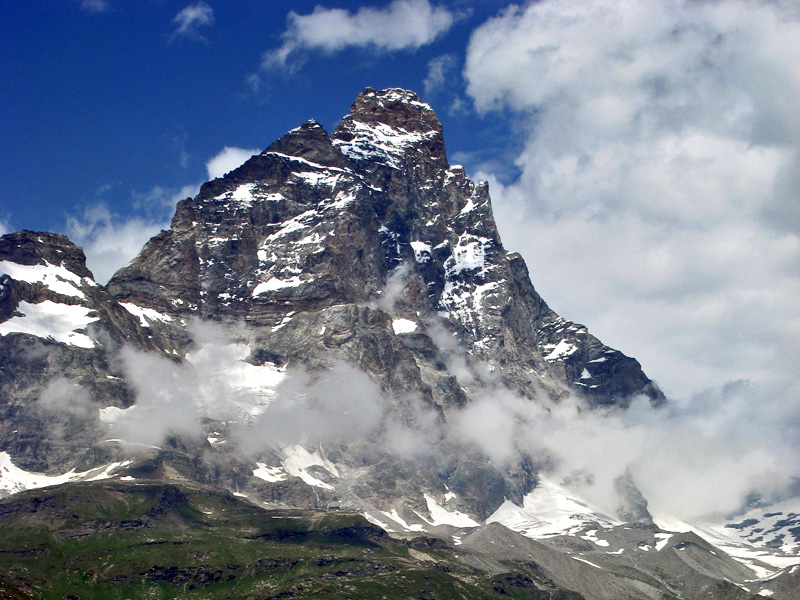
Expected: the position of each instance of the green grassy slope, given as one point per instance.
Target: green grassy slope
(118, 540)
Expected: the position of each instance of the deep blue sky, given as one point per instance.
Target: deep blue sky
(99, 104)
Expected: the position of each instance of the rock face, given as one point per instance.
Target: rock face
(362, 247)
(317, 221)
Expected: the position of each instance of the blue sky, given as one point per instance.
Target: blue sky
(108, 105)
(643, 156)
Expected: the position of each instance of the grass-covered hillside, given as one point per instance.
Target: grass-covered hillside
(119, 540)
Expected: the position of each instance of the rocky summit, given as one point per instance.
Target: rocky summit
(326, 327)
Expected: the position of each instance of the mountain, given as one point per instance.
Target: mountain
(334, 325)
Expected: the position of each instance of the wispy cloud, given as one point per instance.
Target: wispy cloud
(191, 19)
(703, 458)
(94, 6)
(439, 73)
(402, 25)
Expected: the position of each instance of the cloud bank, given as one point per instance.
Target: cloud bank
(657, 188)
(704, 458)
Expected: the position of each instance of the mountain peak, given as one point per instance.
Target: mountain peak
(395, 107)
(391, 127)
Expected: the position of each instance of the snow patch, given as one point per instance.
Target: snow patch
(550, 510)
(298, 460)
(441, 516)
(376, 521)
(395, 516)
(403, 326)
(591, 536)
(271, 474)
(109, 414)
(422, 251)
(243, 193)
(52, 320)
(14, 480)
(59, 279)
(591, 564)
(296, 223)
(286, 319)
(663, 538)
(734, 541)
(146, 316)
(341, 200)
(232, 371)
(380, 143)
(468, 207)
(274, 284)
(559, 351)
(318, 178)
(469, 254)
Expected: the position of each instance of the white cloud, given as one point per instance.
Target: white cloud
(227, 160)
(657, 199)
(402, 25)
(191, 18)
(693, 460)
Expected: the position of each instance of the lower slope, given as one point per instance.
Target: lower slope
(150, 539)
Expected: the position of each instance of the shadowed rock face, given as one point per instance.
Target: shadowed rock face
(364, 246)
(317, 221)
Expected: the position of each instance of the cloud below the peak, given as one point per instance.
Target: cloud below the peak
(657, 190)
(402, 25)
